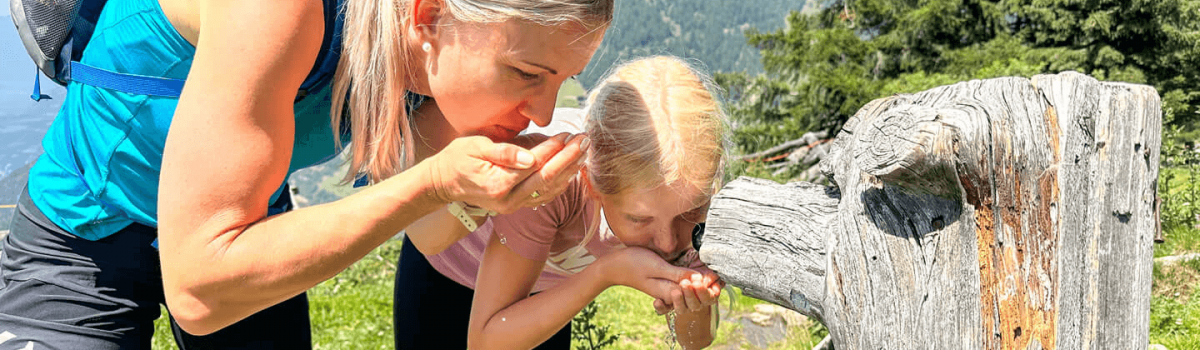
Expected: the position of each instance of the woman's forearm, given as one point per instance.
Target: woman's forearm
(533, 320)
(694, 330)
(279, 257)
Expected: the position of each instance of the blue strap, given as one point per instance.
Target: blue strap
(128, 83)
(37, 85)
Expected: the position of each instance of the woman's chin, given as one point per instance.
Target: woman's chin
(498, 134)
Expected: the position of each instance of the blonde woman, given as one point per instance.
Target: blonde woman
(193, 175)
(654, 160)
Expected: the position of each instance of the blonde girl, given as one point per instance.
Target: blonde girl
(654, 161)
(178, 197)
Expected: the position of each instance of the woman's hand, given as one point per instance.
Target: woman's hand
(504, 177)
(644, 270)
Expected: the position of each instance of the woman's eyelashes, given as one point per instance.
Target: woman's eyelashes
(527, 76)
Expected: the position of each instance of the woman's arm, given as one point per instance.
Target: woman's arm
(505, 316)
(229, 148)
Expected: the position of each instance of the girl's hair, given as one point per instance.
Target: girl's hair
(373, 76)
(656, 121)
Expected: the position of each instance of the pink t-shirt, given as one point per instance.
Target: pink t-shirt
(555, 233)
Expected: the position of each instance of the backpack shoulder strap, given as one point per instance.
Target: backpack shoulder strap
(320, 76)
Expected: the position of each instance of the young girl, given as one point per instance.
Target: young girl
(654, 161)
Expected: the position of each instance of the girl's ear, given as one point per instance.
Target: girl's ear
(423, 20)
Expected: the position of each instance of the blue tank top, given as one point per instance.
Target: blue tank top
(103, 152)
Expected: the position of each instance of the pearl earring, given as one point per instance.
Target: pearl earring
(426, 47)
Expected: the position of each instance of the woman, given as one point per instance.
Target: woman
(654, 160)
(198, 174)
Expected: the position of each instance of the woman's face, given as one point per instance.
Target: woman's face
(660, 219)
(492, 79)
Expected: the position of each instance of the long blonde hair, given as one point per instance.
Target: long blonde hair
(656, 121)
(373, 75)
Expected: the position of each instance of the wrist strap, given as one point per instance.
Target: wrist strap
(465, 213)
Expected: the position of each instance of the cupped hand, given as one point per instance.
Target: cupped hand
(699, 291)
(645, 271)
(559, 159)
(502, 177)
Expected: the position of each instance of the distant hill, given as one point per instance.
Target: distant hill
(709, 31)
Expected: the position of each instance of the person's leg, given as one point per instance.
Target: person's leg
(430, 311)
(63, 292)
(283, 326)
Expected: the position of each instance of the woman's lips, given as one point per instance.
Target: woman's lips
(499, 133)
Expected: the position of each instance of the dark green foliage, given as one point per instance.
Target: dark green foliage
(821, 68)
(587, 334)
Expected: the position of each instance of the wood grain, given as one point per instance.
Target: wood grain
(1005, 213)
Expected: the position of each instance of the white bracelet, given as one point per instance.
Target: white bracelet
(464, 213)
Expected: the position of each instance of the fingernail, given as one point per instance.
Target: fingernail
(587, 141)
(524, 159)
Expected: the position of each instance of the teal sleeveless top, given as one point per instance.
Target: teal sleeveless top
(103, 152)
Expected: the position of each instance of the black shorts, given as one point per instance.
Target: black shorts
(59, 291)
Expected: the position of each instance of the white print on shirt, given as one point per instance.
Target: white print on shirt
(577, 258)
(6, 336)
(571, 261)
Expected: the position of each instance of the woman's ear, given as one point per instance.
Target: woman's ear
(423, 20)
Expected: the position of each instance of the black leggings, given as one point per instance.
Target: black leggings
(432, 311)
(59, 291)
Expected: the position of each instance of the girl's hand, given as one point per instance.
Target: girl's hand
(699, 292)
(503, 177)
(645, 271)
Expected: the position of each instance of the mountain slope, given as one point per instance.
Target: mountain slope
(708, 31)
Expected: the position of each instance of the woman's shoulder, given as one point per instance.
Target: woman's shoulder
(188, 17)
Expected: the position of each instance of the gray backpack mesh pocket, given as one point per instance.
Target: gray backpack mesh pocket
(44, 26)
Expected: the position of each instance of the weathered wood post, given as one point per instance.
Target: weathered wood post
(991, 214)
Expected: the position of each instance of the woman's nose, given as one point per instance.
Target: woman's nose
(539, 108)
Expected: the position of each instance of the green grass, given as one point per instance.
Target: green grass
(1181, 196)
(568, 92)
(629, 313)
(1174, 302)
(353, 310)
(1175, 306)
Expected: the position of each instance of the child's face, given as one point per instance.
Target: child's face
(660, 219)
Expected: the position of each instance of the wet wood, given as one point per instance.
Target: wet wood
(1005, 213)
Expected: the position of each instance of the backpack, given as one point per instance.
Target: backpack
(55, 33)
